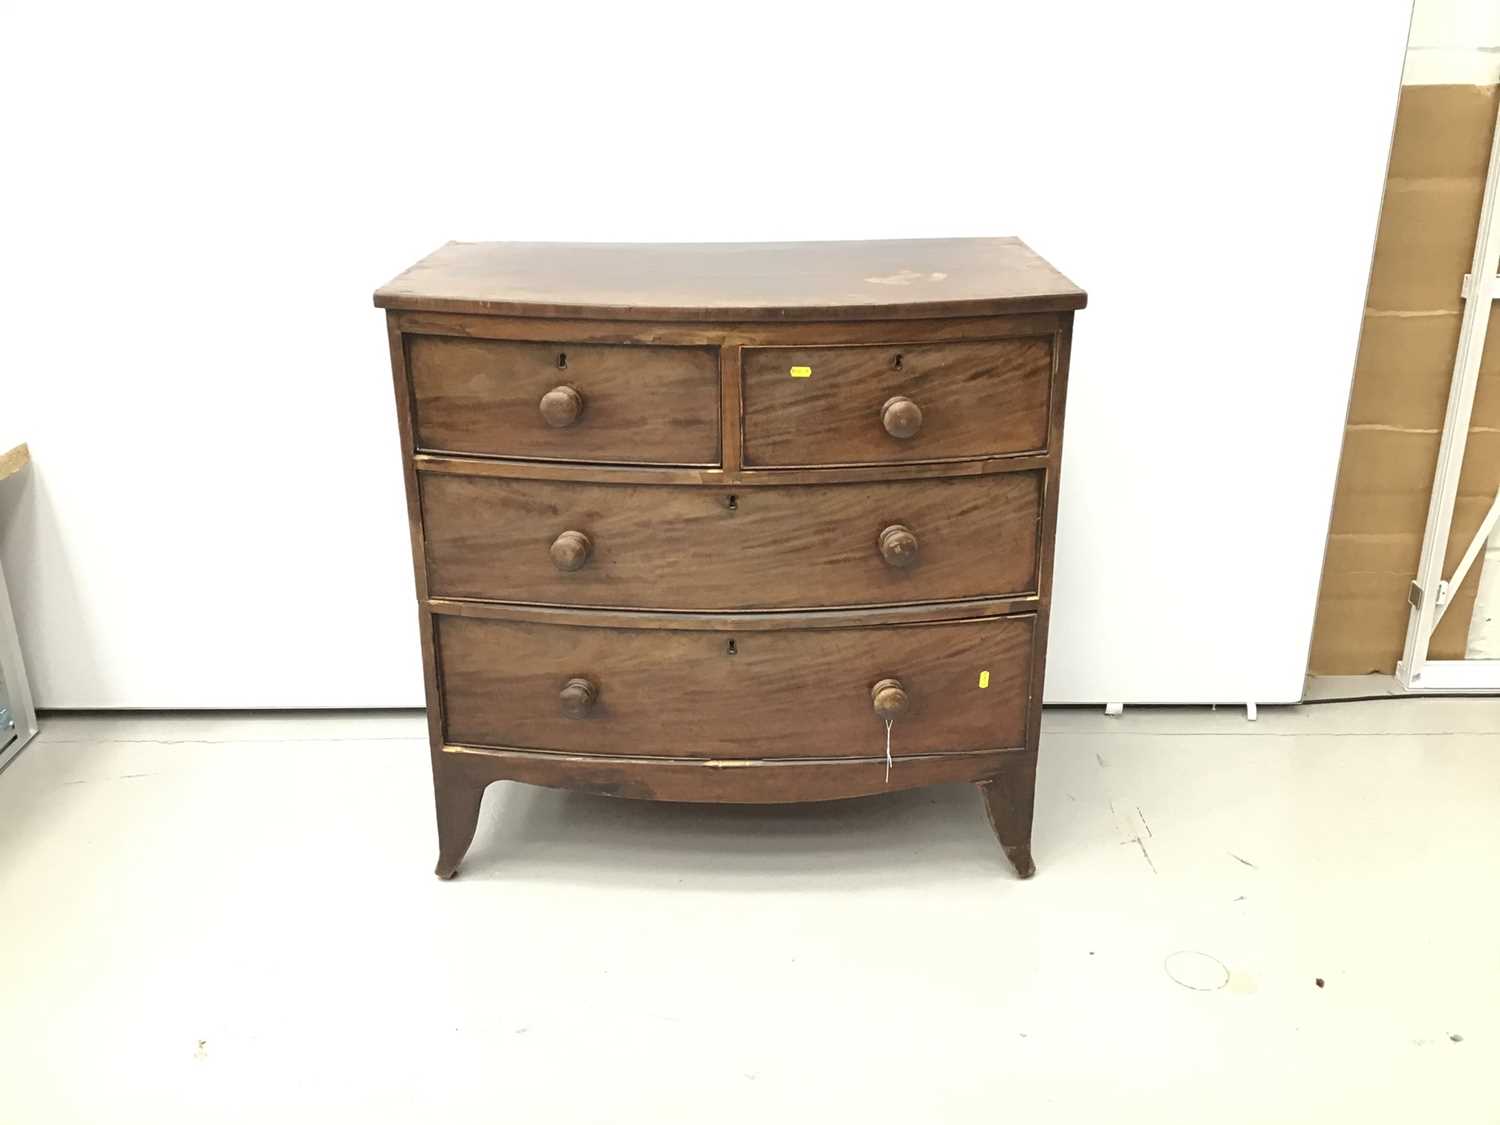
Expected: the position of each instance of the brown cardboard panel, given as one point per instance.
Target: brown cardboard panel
(1405, 367)
(1443, 131)
(1401, 383)
(1425, 244)
(1487, 395)
(1481, 470)
(1489, 359)
(1380, 513)
(1362, 607)
(1403, 370)
(1361, 555)
(1351, 640)
(1435, 183)
(1385, 482)
(1395, 482)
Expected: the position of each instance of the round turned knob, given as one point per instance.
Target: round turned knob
(561, 406)
(901, 417)
(898, 546)
(570, 550)
(577, 697)
(890, 699)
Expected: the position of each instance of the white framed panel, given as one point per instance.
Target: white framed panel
(208, 196)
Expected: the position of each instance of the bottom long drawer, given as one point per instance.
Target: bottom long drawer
(799, 692)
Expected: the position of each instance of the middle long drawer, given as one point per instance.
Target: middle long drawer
(712, 548)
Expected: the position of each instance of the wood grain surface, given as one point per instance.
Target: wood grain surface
(640, 404)
(798, 693)
(694, 548)
(763, 621)
(734, 781)
(716, 476)
(810, 406)
(750, 281)
(751, 333)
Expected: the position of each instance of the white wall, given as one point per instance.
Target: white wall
(201, 199)
(1453, 42)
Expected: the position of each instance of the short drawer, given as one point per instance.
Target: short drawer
(858, 405)
(718, 548)
(794, 693)
(625, 403)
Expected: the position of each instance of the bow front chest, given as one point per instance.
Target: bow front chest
(735, 522)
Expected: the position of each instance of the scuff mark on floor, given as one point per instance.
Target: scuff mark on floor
(1130, 826)
(1202, 972)
(120, 777)
(1142, 845)
(1243, 860)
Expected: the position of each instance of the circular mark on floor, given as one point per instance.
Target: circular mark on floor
(1195, 970)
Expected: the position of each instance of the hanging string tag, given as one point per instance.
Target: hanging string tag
(889, 723)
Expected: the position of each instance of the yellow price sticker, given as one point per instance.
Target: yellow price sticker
(801, 373)
(984, 678)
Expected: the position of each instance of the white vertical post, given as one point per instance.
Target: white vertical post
(17, 689)
(17, 693)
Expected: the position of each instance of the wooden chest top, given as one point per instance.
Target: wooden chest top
(759, 281)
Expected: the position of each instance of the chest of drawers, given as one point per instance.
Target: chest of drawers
(736, 522)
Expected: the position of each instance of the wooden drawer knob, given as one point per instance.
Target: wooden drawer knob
(889, 698)
(561, 407)
(570, 550)
(898, 546)
(901, 417)
(577, 697)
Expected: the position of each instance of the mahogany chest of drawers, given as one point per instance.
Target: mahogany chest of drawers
(736, 522)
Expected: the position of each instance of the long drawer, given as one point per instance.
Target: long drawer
(801, 692)
(895, 403)
(719, 549)
(623, 403)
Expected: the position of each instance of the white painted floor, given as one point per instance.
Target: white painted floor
(234, 919)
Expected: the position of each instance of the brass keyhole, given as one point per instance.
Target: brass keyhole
(562, 359)
(731, 649)
(732, 502)
(896, 363)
